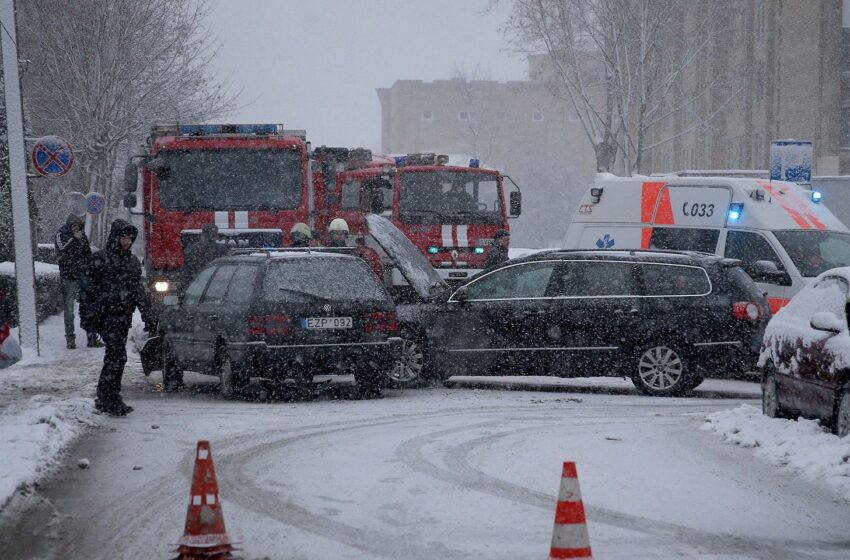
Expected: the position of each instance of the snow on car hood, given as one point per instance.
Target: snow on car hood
(789, 331)
(406, 257)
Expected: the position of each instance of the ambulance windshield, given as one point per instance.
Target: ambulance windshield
(449, 197)
(229, 179)
(814, 252)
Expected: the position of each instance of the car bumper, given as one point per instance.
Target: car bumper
(290, 361)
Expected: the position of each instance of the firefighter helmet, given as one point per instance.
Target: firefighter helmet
(302, 229)
(338, 224)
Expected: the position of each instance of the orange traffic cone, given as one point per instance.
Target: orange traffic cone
(204, 537)
(569, 537)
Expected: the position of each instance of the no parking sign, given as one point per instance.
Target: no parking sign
(96, 203)
(52, 156)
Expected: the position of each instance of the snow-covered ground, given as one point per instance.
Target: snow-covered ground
(463, 472)
(804, 446)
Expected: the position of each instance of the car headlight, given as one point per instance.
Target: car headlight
(161, 286)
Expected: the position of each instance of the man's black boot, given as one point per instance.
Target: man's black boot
(70, 342)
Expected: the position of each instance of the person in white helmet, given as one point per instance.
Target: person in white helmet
(337, 233)
(300, 235)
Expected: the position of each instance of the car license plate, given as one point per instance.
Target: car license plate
(326, 323)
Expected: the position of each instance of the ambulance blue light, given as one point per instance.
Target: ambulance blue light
(735, 211)
(817, 196)
(400, 161)
(479, 250)
(474, 163)
(433, 250)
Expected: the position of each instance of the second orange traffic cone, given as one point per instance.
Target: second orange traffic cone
(570, 538)
(205, 537)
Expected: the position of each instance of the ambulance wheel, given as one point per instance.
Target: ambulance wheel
(661, 370)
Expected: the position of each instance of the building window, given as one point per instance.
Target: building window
(537, 116)
(761, 19)
(572, 116)
(427, 116)
(463, 116)
(501, 116)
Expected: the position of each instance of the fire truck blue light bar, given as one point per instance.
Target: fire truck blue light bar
(213, 129)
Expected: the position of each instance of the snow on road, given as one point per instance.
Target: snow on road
(45, 403)
(437, 473)
(803, 445)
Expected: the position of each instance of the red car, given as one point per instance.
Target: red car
(805, 357)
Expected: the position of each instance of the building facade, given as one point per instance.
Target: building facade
(787, 79)
(521, 128)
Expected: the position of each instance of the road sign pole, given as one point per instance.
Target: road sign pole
(24, 267)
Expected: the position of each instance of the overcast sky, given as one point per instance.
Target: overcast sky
(315, 64)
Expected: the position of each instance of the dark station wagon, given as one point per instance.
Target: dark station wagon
(280, 315)
(663, 319)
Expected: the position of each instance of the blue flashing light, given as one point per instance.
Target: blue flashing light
(479, 250)
(735, 211)
(433, 250)
(474, 163)
(400, 161)
(214, 129)
(817, 196)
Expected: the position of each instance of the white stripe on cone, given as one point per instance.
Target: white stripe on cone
(570, 536)
(570, 491)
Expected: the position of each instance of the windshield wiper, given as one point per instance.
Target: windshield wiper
(307, 294)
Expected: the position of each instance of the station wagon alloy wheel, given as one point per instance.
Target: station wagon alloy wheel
(408, 368)
(660, 370)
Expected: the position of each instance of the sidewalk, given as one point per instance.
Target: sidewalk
(46, 402)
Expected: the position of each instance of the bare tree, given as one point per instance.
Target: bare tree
(474, 93)
(627, 66)
(104, 70)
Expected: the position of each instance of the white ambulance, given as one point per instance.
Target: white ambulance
(754, 220)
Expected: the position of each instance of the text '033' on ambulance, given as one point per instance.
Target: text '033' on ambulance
(782, 233)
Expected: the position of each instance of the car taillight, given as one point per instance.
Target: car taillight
(747, 311)
(261, 325)
(382, 321)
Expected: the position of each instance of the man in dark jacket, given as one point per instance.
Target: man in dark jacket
(112, 289)
(498, 248)
(73, 252)
(201, 252)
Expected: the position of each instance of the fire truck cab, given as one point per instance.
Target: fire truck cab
(450, 210)
(250, 180)
(782, 233)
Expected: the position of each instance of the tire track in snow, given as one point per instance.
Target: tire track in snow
(461, 473)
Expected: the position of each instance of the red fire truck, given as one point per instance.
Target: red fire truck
(449, 209)
(252, 181)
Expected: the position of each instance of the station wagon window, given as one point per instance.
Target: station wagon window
(241, 285)
(674, 280)
(218, 285)
(521, 281)
(749, 247)
(321, 279)
(193, 293)
(684, 239)
(595, 279)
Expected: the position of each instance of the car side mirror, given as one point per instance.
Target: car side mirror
(131, 177)
(461, 295)
(827, 321)
(769, 272)
(515, 204)
(130, 200)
